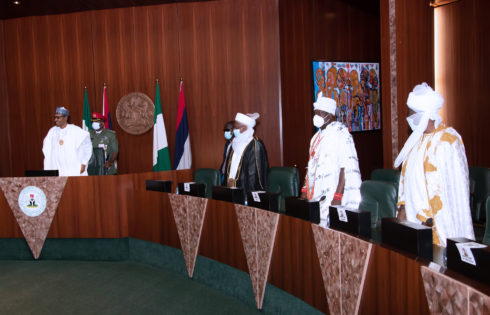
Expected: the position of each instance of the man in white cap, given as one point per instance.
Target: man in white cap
(333, 175)
(434, 184)
(67, 148)
(247, 164)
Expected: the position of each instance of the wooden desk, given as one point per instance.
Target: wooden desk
(119, 206)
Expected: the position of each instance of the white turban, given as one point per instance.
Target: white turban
(325, 104)
(426, 103)
(248, 119)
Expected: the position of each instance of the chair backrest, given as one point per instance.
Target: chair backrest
(387, 175)
(486, 237)
(284, 180)
(209, 177)
(481, 191)
(379, 198)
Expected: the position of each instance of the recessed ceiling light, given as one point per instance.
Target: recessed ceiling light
(16, 2)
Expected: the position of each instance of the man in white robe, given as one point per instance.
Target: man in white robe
(333, 175)
(66, 148)
(434, 183)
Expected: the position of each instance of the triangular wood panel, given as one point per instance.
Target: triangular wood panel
(189, 215)
(354, 260)
(34, 228)
(328, 250)
(444, 295)
(344, 260)
(258, 231)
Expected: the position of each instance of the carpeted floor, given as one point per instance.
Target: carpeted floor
(84, 287)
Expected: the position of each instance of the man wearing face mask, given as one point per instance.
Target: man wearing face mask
(66, 147)
(434, 183)
(332, 176)
(105, 139)
(247, 162)
(228, 130)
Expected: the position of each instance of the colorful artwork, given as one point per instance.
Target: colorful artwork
(355, 88)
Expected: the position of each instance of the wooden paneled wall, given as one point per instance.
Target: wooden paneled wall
(333, 30)
(414, 60)
(5, 160)
(462, 52)
(226, 51)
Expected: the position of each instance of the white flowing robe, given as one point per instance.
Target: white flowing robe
(335, 150)
(66, 150)
(434, 184)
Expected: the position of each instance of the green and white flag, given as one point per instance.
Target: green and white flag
(161, 157)
(86, 121)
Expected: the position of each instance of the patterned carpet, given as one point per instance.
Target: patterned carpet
(84, 287)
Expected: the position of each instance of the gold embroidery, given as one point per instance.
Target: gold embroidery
(428, 167)
(404, 168)
(435, 205)
(435, 237)
(449, 137)
(421, 217)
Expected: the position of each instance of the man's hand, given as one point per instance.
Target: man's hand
(82, 169)
(401, 215)
(336, 202)
(107, 164)
(303, 195)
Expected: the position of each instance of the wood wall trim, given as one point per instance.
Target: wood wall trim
(5, 139)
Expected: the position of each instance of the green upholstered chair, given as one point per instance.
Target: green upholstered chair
(386, 175)
(481, 178)
(284, 180)
(486, 237)
(209, 177)
(379, 198)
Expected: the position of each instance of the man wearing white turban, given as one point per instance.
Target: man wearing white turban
(247, 163)
(333, 175)
(434, 184)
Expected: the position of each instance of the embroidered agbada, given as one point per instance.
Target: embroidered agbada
(330, 150)
(66, 150)
(434, 183)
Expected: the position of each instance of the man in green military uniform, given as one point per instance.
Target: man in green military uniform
(105, 139)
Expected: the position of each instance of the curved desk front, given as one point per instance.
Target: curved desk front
(120, 206)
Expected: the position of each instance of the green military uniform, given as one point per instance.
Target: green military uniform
(106, 140)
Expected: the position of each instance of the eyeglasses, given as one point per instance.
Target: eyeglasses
(58, 117)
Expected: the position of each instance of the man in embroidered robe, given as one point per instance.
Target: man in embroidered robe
(333, 175)
(247, 163)
(434, 184)
(66, 148)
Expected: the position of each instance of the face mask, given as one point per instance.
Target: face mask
(318, 121)
(236, 133)
(96, 125)
(227, 135)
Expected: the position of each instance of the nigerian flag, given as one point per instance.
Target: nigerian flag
(86, 121)
(161, 157)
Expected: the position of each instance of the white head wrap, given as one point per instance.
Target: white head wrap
(426, 103)
(248, 119)
(325, 104)
(239, 143)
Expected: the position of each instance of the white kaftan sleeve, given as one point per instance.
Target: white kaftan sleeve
(47, 148)
(84, 151)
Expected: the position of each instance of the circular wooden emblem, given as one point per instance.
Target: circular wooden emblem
(135, 113)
